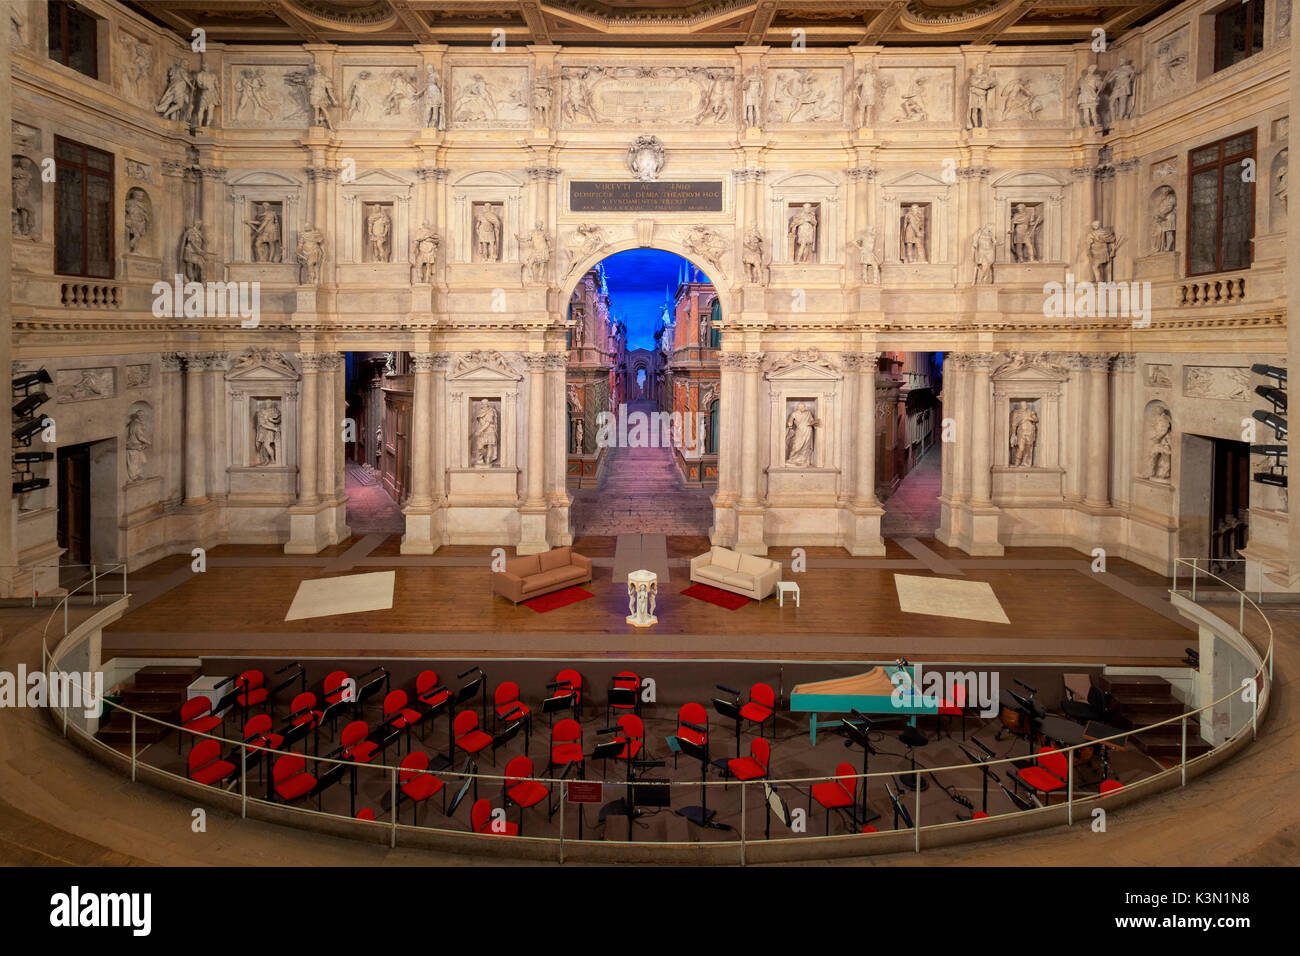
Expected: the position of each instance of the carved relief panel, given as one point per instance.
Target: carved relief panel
(1028, 94)
(916, 95)
(381, 95)
(489, 97)
(635, 94)
(266, 94)
(804, 95)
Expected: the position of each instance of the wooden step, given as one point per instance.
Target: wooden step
(1168, 743)
(166, 677)
(1135, 685)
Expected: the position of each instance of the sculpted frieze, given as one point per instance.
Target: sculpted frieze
(599, 95)
(381, 96)
(916, 94)
(267, 95)
(811, 95)
(484, 97)
(1028, 94)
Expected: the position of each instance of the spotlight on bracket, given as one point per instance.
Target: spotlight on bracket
(31, 484)
(29, 379)
(1270, 478)
(1272, 420)
(29, 403)
(1272, 371)
(1274, 395)
(28, 430)
(32, 457)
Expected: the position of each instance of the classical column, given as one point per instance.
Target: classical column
(1097, 471)
(421, 431)
(196, 437)
(865, 465)
(557, 439)
(1075, 446)
(173, 426)
(1121, 468)
(217, 424)
(981, 429)
(308, 442)
(536, 430)
(328, 428)
(752, 363)
(173, 211)
(441, 425)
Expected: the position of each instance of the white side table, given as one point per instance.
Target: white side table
(642, 588)
(786, 587)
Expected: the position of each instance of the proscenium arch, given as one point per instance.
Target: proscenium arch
(720, 283)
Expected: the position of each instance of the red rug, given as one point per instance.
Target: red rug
(549, 602)
(706, 592)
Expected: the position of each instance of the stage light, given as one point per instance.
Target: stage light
(1268, 449)
(32, 457)
(1272, 371)
(29, 403)
(27, 380)
(28, 430)
(1274, 395)
(1272, 420)
(31, 484)
(1269, 478)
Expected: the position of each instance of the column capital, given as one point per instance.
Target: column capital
(310, 361)
(861, 174)
(172, 361)
(535, 361)
(982, 361)
(751, 361)
(1125, 362)
(557, 361)
(431, 174)
(329, 361)
(422, 362)
(1098, 361)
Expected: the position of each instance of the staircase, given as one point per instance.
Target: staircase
(1138, 700)
(156, 691)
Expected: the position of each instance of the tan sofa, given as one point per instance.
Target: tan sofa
(537, 574)
(746, 574)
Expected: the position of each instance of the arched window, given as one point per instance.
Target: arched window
(715, 333)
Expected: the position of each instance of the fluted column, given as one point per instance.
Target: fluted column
(1121, 464)
(196, 437)
(1075, 447)
(536, 430)
(308, 441)
(865, 465)
(1097, 471)
(439, 426)
(557, 439)
(752, 364)
(421, 431)
(173, 423)
(217, 425)
(328, 429)
(981, 429)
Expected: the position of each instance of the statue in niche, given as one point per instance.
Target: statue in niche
(484, 436)
(266, 234)
(1120, 82)
(752, 97)
(914, 235)
(1101, 243)
(1024, 435)
(1164, 215)
(1025, 226)
(310, 254)
(139, 439)
(864, 97)
(194, 253)
(1090, 86)
(579, 330)
(1279, 182)
(487, 233)
(24, 210)
(174, 104)
(578, 428)
(983, 247)
(390, 363)
(401, 93)
(912, 100)
(1160, 445)
(803, 230)
(868, 256)
(752, 257)
(379, 446)
(541, 100)
(980, 85)
(320, 96)
(137, 218)
(379, 234)
(266, 433)
(207, 86)
(800, 433)
(537, 251)
(1018, 98)
(136, 60)
(432, 101)
(645, 158)
(251, 87)
(424, 254)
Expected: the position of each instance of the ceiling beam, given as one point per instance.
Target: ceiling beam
(882, 23)
(1129, 17)
(994, 29)
(171, 17)
(305, 28)
(412, 21)
(536, 20)
(760, 22)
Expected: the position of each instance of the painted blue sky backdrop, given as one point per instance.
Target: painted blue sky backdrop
(638, 280)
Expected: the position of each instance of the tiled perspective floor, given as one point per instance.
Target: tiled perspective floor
(913, 508)
(370, 509)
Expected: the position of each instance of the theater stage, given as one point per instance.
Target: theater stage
(1058, 609)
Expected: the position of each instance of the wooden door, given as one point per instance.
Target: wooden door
(74, 503)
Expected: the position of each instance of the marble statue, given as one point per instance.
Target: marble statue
(1120, 82)
(431, 100)
(980, 85)
(914, 235)
(912, 100)
(983, 248)
(1090, 86)
(800, 432)
(1025, 226)
(194, 253)
(1279, 184)
(645, 158)
(541, 100)
(706, 330)
(803, 230)
(587, 240)
(752, 257)
(536, 248)
(752, 97)
(24, 211)
(1160, 445)
(251, 87)
(139, 439)
(424, 253)
(868, 256)
(266, 234)
(320, 96)
(864, 97)
(1164, 215)
(207, 87)
(484, 436)
(487, 233)
(137, 219)
(578, 428)
(379, 444)
(379, 234)
(266, 433)
(311, 253)
(1024, 435)
(1101, 243)
(174, 104)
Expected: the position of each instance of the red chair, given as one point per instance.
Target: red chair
(259, 736)
(469, 737)
(632, 736)
(429, 692)
(506, 702)
(1048, 774)
(692, 713)
(251, 686)
(954, 707)
(838, 794)
(761, 707)
(625, 680)
(338, 690)
(354, 744)
(291, 779)
(480, 820)
(197, 719)
(302, 711)
(574, 689)
(205, 763)
(869, 829)
(1110, 786)
(754, 766)
(365, 813)
(417, 786)
(566, 745)
(400, 717)
(521, 791)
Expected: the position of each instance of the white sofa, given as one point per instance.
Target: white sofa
(746, 574)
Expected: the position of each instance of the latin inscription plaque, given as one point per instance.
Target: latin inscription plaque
(662, 196)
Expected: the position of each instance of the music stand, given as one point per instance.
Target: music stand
(431, 712)
(562, 701)
(1020, 802)
(1096, 730)
(858, 735)
(773, 801)
(467, 691)
(987, 773)
(731, 710)
(899, 809)
(622, 697)
(551, 809)
(503, 738)
(471, 768)
(701, 816)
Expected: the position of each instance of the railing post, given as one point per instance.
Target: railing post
(1241, 614)
(94, 586)
(1182, 757)
(133, 746)
(743, 788)
(1194, 560)
(1175, 587)
(562, 792)
(1069, 788)
(916, 814)
(392, 812)
(1254, 714)
(66, 601)
(243, 781)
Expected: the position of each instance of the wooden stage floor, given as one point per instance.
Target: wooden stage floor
(1059, 610)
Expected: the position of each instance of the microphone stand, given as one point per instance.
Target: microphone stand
(987, 773)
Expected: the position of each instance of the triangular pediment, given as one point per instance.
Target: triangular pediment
(262, 365)
(803, 371)
(485, 366)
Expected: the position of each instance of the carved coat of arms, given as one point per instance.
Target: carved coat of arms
(645, 158)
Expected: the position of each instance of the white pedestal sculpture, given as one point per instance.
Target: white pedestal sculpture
(642, 587)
